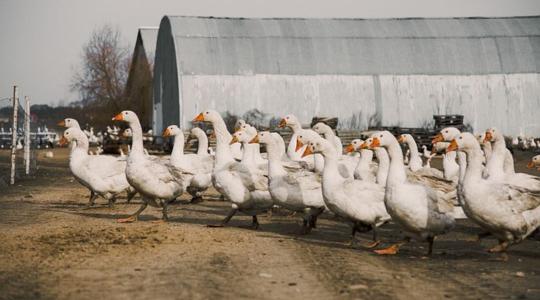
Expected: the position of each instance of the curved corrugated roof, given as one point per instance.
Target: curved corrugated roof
(206, 45)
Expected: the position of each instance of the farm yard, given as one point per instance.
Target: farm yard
(53, 247)
(279, 149)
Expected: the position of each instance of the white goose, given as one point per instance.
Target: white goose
(103, 175)
(253, 150)
(202, 139)
(296, 147)
(422, 212)
(507, 211)
(72, 123)
(415, 161)
(365, 169)
(427, 155)
(198, 165)
(233, 179)
(295, 189)
(157, 181)
(358, 201)
(447, 135)
(328, 133)
(501, 161)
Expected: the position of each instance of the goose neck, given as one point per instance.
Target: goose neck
(396, 172)
(223, 137)
(203, 144)
(136, 138)
(178, 146)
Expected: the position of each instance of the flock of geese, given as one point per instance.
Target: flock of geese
(315, 173)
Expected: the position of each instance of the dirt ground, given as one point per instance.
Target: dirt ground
(53, 248)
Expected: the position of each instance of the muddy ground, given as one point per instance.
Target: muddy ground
(51, 247)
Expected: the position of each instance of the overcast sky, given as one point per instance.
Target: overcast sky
(41, 40)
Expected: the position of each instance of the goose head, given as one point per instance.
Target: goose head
(382, 139)
(239, 124)
(240, 137)
(446, 135)
(68, 123)
(535, 161)
(70, 135)
(321, 128)
(492, 135)
(263, 137)
(320, 146)
(289, 121)
(208, 116)
(305, 137)
(126, 116)
(466, 142)
(172, 130)
(366, 143)
(403, 138)
(354, 146)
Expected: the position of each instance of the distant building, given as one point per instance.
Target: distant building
(139, 84)
(366, 72)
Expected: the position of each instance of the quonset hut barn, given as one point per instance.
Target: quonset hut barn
(139, 83)
(390, 72)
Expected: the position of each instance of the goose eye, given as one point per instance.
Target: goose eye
(460, 137)
(206, 112)
(287, 118)
(380, 135)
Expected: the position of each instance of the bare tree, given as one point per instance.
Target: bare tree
(102, 76)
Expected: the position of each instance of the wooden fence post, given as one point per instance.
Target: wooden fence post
(14, 134)
(27, 140)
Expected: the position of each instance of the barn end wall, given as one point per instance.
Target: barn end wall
(507, 101)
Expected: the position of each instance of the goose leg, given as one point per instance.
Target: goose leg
(306, 226)
(224, 222)
(164, 216)
(111, 200)
(130, 195)
(255, 223)
(430, 240)
(134, 217)
(501, 247)
(92, 199)
(375, 242)
(353, 233)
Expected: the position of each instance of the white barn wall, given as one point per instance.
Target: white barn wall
(507, 101)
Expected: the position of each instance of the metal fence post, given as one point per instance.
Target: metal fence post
(14, 133)
(27, 134)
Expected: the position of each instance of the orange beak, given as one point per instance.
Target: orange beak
(166, 132)
(488, 137)
(199, 118)
(349, 148)
(364, 145)
(401, 139)
(375, 143)
(63, 141)
(282, 123)
(233, 140)
(453, 146)
(62, 123)
(438, 138)
(299, 144)
(307, 152)
(118, 117)
(254, 140)
(530, 165)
